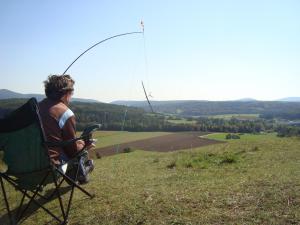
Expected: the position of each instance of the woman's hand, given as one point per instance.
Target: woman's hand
(81, 144)
(90, 145)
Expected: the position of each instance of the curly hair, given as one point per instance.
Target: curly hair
(57, 86)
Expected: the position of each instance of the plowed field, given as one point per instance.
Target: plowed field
(165, 143)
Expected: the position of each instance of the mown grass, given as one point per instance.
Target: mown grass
(255, 180)
(237, 116)
(244, 136)
(182, 121)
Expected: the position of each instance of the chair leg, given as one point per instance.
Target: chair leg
(76, 185)
(53, 193)
(45, 209)
(69, 203)
(6, 201)
(32, 200)
(72, 192)
(59, 196)
(21, 204)
(73, 185)
(35, 193)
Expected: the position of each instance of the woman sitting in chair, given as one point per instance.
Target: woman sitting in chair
(59, 123)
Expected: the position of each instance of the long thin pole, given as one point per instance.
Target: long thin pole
(119, 35)
(147, 98)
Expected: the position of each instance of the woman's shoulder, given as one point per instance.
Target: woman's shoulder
(54, 108)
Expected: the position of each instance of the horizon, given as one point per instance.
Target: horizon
(215, 51)
(157, 100)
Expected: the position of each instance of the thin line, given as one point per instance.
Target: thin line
(147, 98)
(147, 73)
(138, 32)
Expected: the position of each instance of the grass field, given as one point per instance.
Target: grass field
(183, 121)
(237, 116)
(249, 137)
(253, 180)
(163, 143)
(108, 138)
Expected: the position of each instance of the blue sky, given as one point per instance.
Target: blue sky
(212, 50)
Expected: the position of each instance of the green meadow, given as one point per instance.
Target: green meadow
(237, 116)
(252, 180)
(245, 137)
(182, 121)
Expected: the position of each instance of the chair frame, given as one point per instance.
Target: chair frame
(53, 171)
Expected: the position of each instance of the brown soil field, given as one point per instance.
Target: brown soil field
(166, 143)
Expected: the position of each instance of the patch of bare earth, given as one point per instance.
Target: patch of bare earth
(165, 143)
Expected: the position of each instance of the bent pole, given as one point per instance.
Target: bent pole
(119, 35)
(147, 98)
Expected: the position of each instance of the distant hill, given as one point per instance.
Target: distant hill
(112, 117)
(246, 100)
(7, 94)
(290, 99)
(145, 103)
(191, 108)
(117, 117)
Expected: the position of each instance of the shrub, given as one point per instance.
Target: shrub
(227, 158)
(232, 136)
(188, 165)
(235, 136)
(98, 155)
(127, 150)
(228, 136)
(171, 165)
(156, 160)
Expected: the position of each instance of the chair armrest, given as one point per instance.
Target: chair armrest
(61, 143)
(85, 136)
(66, 143)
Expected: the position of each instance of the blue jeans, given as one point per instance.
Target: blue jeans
(63, 158)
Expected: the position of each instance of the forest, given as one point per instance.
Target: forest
(266, 109)
(120, 117)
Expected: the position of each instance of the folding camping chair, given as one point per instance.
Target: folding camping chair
(29, 167)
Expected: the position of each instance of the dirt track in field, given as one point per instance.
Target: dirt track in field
(165, 143)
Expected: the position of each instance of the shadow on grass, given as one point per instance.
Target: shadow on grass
(4, 219)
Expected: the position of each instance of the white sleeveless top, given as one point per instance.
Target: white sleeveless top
(65, 116)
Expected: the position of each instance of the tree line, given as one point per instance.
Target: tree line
(116, 117)
(267, 109)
